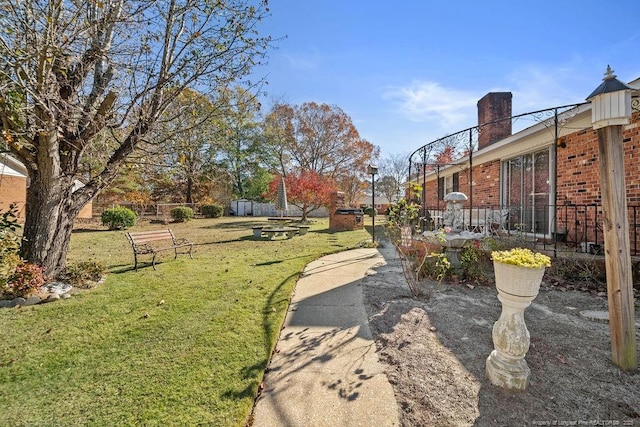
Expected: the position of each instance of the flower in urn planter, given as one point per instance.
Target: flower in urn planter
(522, 258)
(518, 275)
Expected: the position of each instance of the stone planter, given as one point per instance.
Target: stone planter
(517, 287)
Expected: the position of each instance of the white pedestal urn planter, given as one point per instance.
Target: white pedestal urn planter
(518, 276)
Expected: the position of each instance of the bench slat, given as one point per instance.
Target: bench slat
(140, 243)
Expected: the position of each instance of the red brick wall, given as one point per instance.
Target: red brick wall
(486, 188)
(431, 193)
(579, 181)
(578, 166)
(13, 189)
(342, 222)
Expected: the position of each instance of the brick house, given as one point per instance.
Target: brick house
(13, 187)
(546, 175)
(382, 203)
(13, 184)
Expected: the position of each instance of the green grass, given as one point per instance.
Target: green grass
(184, 345)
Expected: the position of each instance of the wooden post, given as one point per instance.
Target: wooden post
(617, 246)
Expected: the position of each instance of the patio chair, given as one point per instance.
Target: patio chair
(497, 222)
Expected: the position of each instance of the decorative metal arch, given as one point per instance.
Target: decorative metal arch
(460, 146)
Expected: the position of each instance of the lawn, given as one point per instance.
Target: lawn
(184, 345)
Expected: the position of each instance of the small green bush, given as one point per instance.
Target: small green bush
(435, 266)
(181, 214)
(369, 211)
(212, 211)
(9, 219)
(83, 274)
(9, 244)
(118, 218)
(474, 261)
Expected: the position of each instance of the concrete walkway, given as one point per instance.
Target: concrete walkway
(325, 370)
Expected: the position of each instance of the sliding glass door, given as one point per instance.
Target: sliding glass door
(526, 191)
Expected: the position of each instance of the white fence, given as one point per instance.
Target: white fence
(244, 207)
(237, 207)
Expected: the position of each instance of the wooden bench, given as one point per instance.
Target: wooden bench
(142, 244)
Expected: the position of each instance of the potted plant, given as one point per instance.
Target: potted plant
(518, 276)
(519, 271)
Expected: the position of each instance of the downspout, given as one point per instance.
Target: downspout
(470, 170)
(407, 194)
(555, 183)
(424, 183)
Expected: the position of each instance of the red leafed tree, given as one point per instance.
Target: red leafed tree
(306, 190)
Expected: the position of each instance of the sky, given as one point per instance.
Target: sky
(411, 71)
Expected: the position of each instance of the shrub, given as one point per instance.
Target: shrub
(473, 261)
(83, 274)
(181, 214)
(369, 211)
(403, 213)
(583, 271)
(118, 218)
(436, 266)
(9, 219)
(212, 211)
(26, 280)
(9, 244)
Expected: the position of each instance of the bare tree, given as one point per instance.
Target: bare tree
(394, 170)
(72, 70)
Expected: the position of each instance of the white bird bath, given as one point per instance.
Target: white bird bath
(454, 237)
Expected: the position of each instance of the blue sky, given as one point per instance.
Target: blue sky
(409, 72)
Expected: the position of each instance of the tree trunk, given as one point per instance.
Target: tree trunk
(189, 196)
(50, 213)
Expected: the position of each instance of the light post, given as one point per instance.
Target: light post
(610, 111)
(373, 170)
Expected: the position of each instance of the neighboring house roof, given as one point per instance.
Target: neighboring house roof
(380, 200)
(12, 167)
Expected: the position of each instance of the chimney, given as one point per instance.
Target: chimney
(492, 107)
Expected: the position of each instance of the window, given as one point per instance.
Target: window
(450, 183)
(526, 191)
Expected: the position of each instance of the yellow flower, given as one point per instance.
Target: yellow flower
(522, 258)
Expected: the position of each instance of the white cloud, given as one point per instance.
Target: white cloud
(537, 87)
(427, 101)
(304, 62)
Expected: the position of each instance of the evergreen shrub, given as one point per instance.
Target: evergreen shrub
(118, 218)
(212, 211)
(182, 214)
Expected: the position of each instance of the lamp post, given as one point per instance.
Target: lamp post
(373, 170)
(610, 110)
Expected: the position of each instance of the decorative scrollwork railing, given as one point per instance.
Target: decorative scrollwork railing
(457, 149)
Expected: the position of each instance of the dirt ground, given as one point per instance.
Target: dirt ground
(435, 350)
